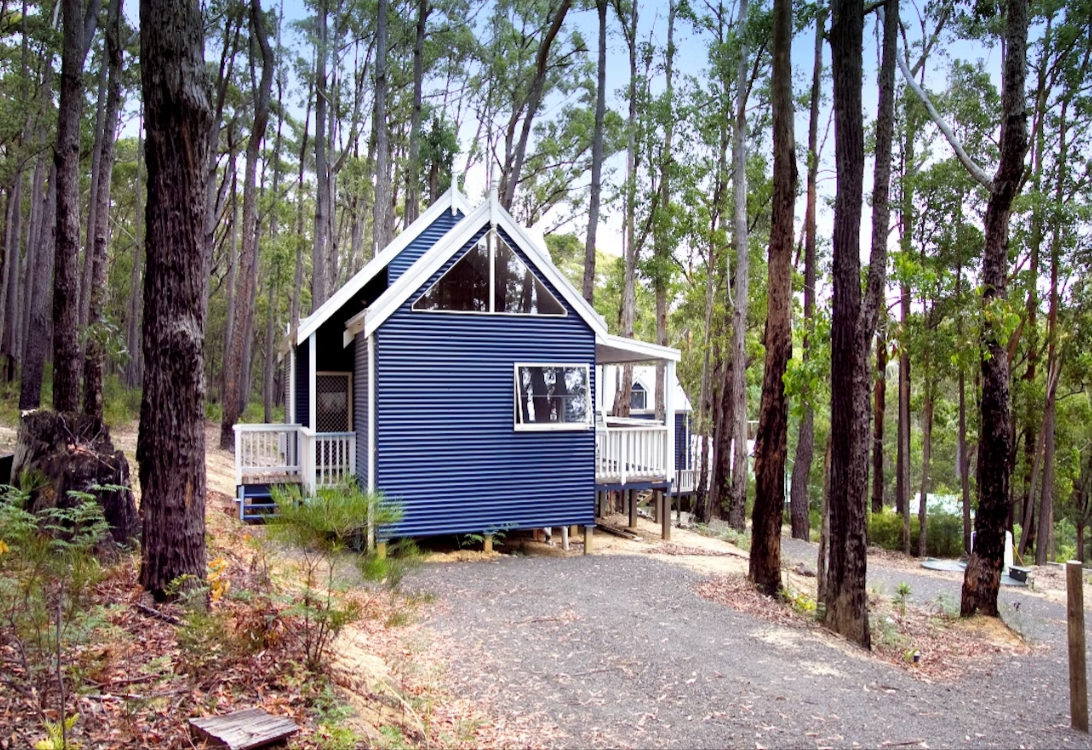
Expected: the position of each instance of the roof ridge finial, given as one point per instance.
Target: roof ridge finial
(493, 203)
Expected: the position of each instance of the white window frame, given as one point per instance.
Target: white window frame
(491, 237)
(517, 412)
(638, 388)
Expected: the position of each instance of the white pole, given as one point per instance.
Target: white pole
(669, 420)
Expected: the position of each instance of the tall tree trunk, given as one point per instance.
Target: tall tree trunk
(30, 385)
(413, 169)
(33, 255)
(233, 272)
(78, 30)
(879, 402)
(824, 530)
(983, 575)
(597, 155)
(771, 444)
(963, 457)
(926, 455)
(235, 376)
(737, 497)
(9, 345)
(96, 349)
(297, 285)
(847, 602)
(628, 311)
(661, 240)
(134, 369)
(319, 283)
(382, 218)
(906, 213)
(171, 442)
(1045, 533)
(805, 442)
(275, 282)
(86, 278)
(881, 223)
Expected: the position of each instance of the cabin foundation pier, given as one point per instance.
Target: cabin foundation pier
(589, 532)
(632, 509)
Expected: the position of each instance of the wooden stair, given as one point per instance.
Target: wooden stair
(255, 502)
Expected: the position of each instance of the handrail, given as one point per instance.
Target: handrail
(263, 427)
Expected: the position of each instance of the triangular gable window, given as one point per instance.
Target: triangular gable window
(490, 278)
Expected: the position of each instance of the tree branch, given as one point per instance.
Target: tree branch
(977, 172)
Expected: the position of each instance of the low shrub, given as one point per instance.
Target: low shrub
(944, 532)
(329, 529)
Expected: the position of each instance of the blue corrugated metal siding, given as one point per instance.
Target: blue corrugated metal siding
(422, 244)
(303, 384)
(682, 441)
(446, 447)
(360, 408)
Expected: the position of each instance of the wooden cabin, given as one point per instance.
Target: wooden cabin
(456, 373)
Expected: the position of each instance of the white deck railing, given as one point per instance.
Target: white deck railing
(686, 480)
(279, 452)
(265, 451)
(622, 453)
(335, 457)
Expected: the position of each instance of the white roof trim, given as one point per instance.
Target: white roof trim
(433, 260)
(451, 200)
(642, 348)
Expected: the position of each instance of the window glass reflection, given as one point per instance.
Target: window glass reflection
(552, 395)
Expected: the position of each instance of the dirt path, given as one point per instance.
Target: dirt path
(617, 650)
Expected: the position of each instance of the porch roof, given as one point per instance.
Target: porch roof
(617, 350)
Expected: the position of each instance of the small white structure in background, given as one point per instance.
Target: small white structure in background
(643, 410)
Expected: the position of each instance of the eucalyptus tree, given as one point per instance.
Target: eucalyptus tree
(771, 445)
(382, 216)
(78, 26)
(171, 441)
(597, 155)
(983, 575)
(235, 376)
(736, 380)
(845, 597)
(805, 443)
(99, 218)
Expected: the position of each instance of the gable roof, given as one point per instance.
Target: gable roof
(489, 213)
(451, 200)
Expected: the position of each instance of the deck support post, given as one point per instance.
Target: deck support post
(632, 509)
(574, 531)
(487, 544)
(657, 496)
(381, 550)
(665, 517)
(565, 538)
(589, 531)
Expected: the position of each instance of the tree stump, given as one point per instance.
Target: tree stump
(74, 453)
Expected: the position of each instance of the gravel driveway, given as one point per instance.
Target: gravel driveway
(619, 651)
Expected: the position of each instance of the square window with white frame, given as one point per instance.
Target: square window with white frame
(552, 397)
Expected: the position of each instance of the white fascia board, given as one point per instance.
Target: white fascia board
(423, 269)
(652, 351)
(451, 200)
